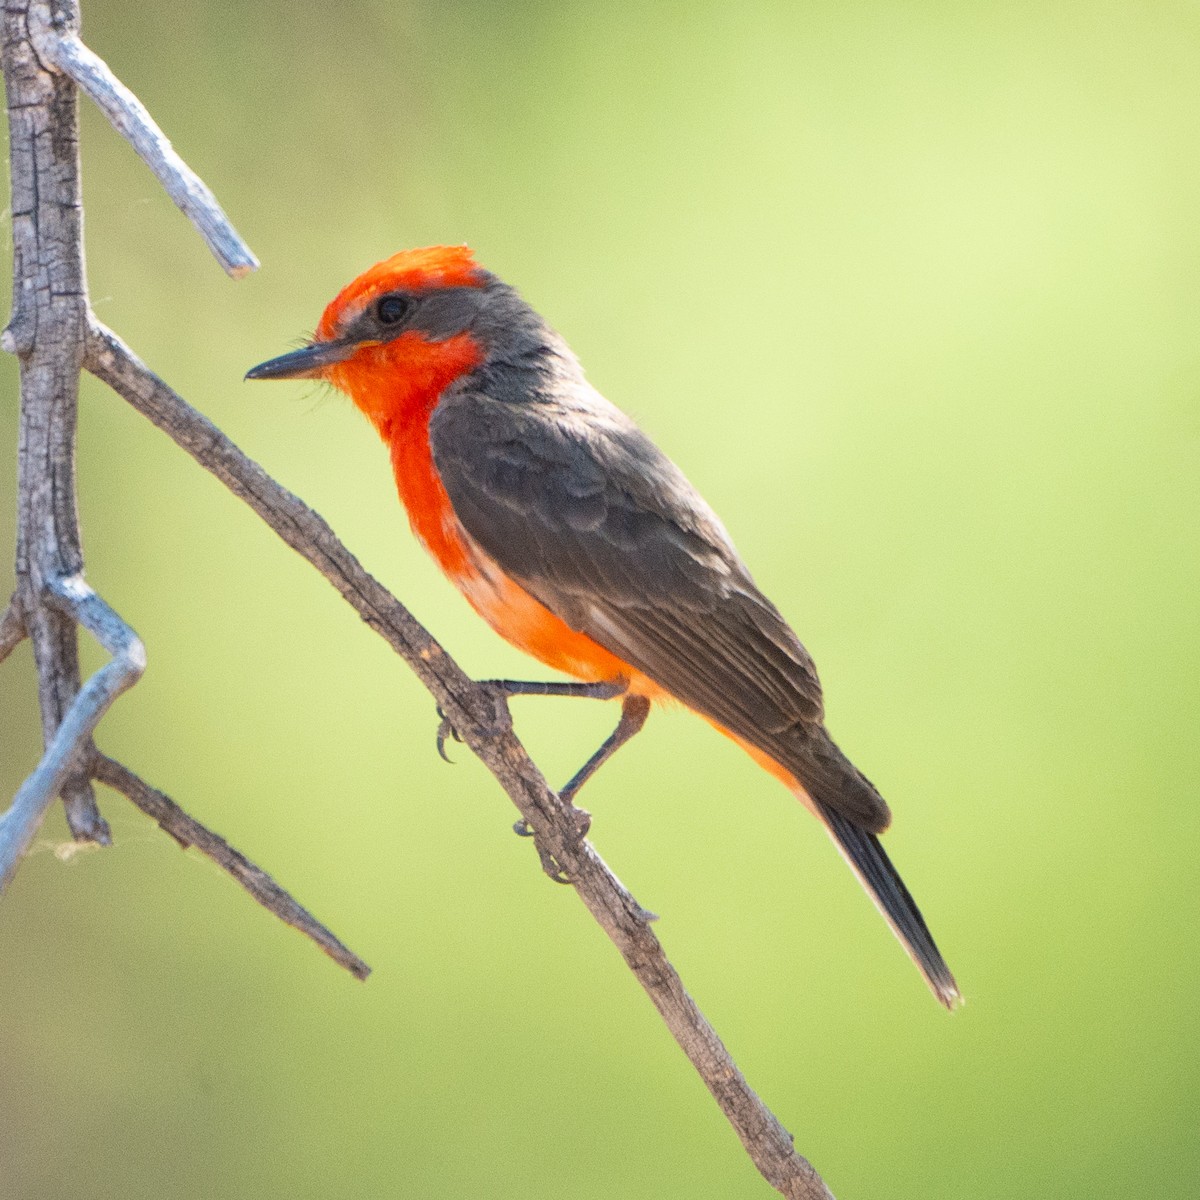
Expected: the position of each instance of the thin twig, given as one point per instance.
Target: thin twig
(71, 739)
(61, 49)
(187, 831)
(485, 727)
(12, 628)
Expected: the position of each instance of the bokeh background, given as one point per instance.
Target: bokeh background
(912, 292)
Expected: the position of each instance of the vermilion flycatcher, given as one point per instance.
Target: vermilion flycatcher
(578, 541)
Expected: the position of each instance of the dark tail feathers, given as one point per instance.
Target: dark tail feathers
(873, 867)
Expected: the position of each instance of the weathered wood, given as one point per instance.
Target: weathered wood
(47, 333)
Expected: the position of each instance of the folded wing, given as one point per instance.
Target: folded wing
(574, 502)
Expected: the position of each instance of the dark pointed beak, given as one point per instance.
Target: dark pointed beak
(306, 363)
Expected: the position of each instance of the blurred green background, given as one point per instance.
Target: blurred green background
(912, 293)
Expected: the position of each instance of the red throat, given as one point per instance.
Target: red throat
(397, 385)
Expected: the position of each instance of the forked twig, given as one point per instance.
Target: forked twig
(23, 819)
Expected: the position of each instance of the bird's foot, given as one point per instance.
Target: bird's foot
(582, 820)
(498, 723)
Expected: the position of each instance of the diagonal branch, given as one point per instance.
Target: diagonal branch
(187, 831)
(60, 49)
(12, 628)
(72, 737)
(485, 727)
(108, 358)
(50, 315)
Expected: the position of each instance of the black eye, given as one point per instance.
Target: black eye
(391, 310)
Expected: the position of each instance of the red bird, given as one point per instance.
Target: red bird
(580, 542)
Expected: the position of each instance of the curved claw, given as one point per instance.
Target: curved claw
(445, 731)
(522, 828)
(550, 865)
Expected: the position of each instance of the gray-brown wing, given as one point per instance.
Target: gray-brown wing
(577, 505)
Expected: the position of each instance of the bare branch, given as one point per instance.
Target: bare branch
(51, 319)
(12, 628)
(484, 725)
(43, 60)
(72, 737)
(187, 831)
(60, 49)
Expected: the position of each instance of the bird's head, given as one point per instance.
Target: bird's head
(401, 332)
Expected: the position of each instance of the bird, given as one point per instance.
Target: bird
(583, 544)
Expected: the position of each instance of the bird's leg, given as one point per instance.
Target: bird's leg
(605, 689)
(634, 710)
